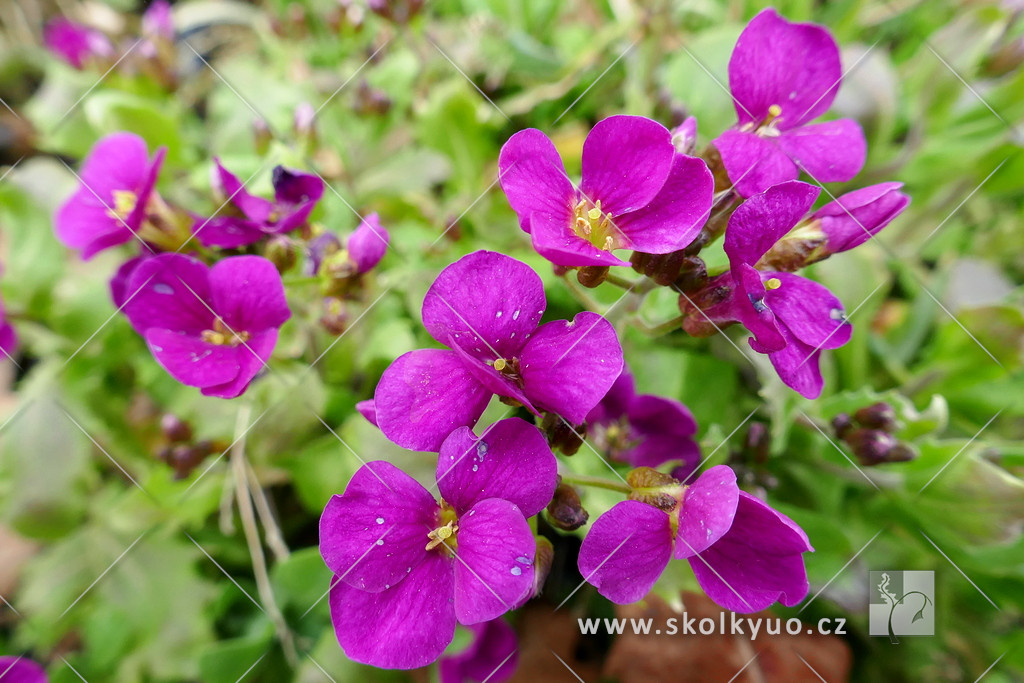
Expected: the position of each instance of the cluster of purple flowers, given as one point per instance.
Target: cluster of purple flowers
(208, 308)
(638, 191)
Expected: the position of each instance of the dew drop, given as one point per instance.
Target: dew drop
(498, 314)
(476, 467)
(523, 560)
(380, 541)
(481, 449)
(386, 586)
(380, 520)
(163, 288)
(408, 569)
(515, 316)
(516, 571)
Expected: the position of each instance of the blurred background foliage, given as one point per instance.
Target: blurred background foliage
(409, 121)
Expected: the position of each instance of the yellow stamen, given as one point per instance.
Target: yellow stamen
(500, 364)
(774, 112)
(772, 283)
(441, 535)
(221, 335)
(124, 204)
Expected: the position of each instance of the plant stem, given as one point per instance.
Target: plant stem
(661, 328)
(252, 537)
(271, 530)
(595, 482)
(301, 280)
(620, 281)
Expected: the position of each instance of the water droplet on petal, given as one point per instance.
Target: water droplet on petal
(515, 316)
(476, 467)
(380, 541)
(516, 571)
(163, 288)
(380, 520)
(498, 314)
(523, 560)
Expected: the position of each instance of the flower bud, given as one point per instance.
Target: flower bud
(261, 136)
(877, 416)
(693, 275)
(565, 511)
(542, 562)
(757, 445)
(684, 136)
(855, 217)
(371, 101)
(174, 429)
(871, 446)
(654, 488)
(280, 251)
(335, 317)
(842, 424)
(592, 276)
(662, 268)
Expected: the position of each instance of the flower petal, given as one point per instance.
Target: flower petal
(84, 222)
(626, 160)
(809, 310)
(406, 627)
(168, 291)
(486, 303)
(753, 163)
(626, 551)
(511, 461)
(763, 219)
(371, 535)
(247, 292)
(494, 561)
(749, 308)
(227, 232)
(852, 219)
(252, 359)
(492, 656)
(555, 240)
(797, 365)
(707, 512)
(616, 402)
(425, 395)
(676, 214)
(368, 244)
(119, 161)
(568, 367)
(492, 380)
(296, 188)
(776, 62)
(255, 208)
(830, 152)
(368, 410)
(758, 562)
(192, 361)
(665, 428)
(533, 178)
(21, 670)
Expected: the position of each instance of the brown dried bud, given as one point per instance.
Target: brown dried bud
(542, 562)
(561, 436)
(565, 511)
(592, 276)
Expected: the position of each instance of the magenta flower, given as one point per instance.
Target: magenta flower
(643, 430)
(8, 337)
(295, 196)
(782, 76)
(21, 670)
(408, 568)
(636, 193)
(74, 43)
(853, 218)
(487, 307)
(158, 21)
(110, 206)
(745, 555)
(209, 327)
(792, 318)
(491, 657)
(362, 251)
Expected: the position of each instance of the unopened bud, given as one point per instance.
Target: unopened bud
(684, 136)
(871, 446)
(654, 488)
(542, 562)
(758, 443)
(592, 276)
(565, 511)
(842, 424)
(175, 429)
(261, 136)
(281, 251)
(693, 275)
(662, 268)
(335, 317)
(561, 436)
(877, 416)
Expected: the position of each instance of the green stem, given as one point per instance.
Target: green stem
(595, 482)
(661, 328)
(619, 281)
(301, 280)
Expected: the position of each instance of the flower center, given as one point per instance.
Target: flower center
(124, 204)
(772, 283)
(447, 534)
(594, 225)
(221, 335)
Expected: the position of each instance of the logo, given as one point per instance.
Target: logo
(902, 603)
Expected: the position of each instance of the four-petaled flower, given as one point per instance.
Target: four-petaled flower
(487, 307)
(110, 206)
(362, 251)
(783, 75)
(75, 43)
(408, 567)
(745, 555)
(636, 193)
(295, 196)
(643, 430)
(209, 327)
(21, 670)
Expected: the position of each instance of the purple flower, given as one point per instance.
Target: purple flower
(117, 185)
(490, 658)
(368, 410)
(745, 555)
(636, 193)
(158, 21)
(782, 76)
(209, 327)
(74, 43)
(363, 250)
(295, 196)
(407, 568)
(8, 337)
(21, 670)
(792, 318)
(644, 430)
(852, 219)
(487, 307)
